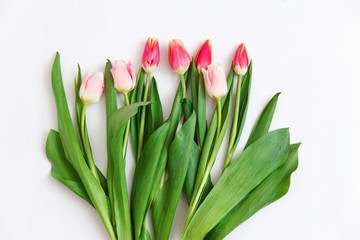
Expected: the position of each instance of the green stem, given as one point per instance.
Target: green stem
(142, 119)
(126, 136)
(183, 86)
(88, 153)
(218, 119)
(230, 151)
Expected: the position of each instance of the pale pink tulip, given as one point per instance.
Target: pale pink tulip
(215, 81)
(179, 58)
(241, 61)
(124, 76)
(92, 87)
(151, 56)
(203, 57)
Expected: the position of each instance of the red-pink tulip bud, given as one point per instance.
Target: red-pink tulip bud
(124, 76)
(241, 61)
(151, 56)
(215, 81)
(203, 57)
(179, 58)
(92, 87)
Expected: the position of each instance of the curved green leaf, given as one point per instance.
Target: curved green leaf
(258, 161)
(73, 151)
(61, 169)
(167, 200)
(271, 189)
(154, 113)
(145, 181)
(136, 96)
(111, 107)
(263, 123)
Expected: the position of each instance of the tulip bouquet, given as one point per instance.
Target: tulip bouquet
(175, 155)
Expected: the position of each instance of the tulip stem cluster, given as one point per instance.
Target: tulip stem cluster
(126, 136)
(142, 118)
(88, 153)
(234, 123)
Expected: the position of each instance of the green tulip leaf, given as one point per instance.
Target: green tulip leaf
(73, 151)
(61, 169)
(257, 162)
(262, 125)
(167, 199)
(145, 180)
(271, 189)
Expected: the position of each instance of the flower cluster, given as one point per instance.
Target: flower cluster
(174, 155)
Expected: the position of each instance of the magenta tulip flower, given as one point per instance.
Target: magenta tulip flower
(151, 56)
(203, 57)
(179, 58)
(241, 61)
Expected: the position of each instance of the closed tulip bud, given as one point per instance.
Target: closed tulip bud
(179, 58)
(151, 56)
(215, 81)
(203, 56)
(241, 61)
(91, 87)
(124, 76)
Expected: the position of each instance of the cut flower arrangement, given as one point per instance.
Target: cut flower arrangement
(174, 155)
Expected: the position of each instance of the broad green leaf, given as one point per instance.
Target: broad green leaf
(61, 169)
(187, 108)
(120, 193)
(167, 200)
(73, 151)
(154, 113)
(257, 162)
(193, 75)
(135, 96)
(263, 123)
(111, 107)
(121, 116)
(271, 189)
(191, 175)
(191, 172)
(201, 111)
(145, 181)
(155, 107)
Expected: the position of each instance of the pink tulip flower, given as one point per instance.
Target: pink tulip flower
(179, 58)
(124, 76)
(241, 61)
(91, 87)
(203, 57)
(215, 81)
(151, 56)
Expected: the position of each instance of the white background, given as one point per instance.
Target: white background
(308, 50)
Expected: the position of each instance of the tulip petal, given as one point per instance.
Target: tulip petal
(179, 58)
(151, 56)
(203, 57)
